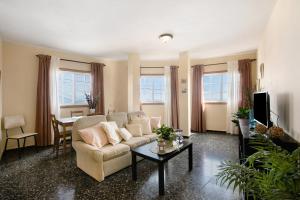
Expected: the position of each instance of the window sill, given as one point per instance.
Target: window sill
(215, 102)
(152, 104)
(73, 106)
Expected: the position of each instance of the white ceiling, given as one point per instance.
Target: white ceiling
(114, 28)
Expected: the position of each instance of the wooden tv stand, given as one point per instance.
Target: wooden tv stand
(286, 142)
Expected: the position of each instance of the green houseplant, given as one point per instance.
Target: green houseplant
(166, 134)
(242, 114)
(271, 173)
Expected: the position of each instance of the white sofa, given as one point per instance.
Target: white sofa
(101, 162)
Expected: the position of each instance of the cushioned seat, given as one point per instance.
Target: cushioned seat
(136, 141)
(152, 137)
(109, 151)
(21, 135)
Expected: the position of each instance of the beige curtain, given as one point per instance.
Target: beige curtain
(43, 110)
(174, 97)
(198, 118)
(98, 86)
(245, 82)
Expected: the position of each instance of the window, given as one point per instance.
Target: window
(215, 87)
(73, 86)
(152, 89)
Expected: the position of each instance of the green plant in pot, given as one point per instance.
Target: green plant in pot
(271, 173)
(165, 134)
(241, 115)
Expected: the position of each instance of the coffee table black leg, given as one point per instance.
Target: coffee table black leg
(161, 178)
(191, 157)
(133, 167)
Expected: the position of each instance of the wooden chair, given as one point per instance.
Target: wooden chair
(58, 136)
(76, 113)
(17, 121)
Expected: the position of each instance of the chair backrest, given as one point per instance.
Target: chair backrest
(76, 113)
(85, 122)
(15, 121)
(54, 125)
(119, 117)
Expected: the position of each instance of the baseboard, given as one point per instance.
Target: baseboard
(213, 131)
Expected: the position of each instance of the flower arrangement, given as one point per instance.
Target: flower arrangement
(91, 100)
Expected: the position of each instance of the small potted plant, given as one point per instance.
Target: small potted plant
(242, 116)
(165, 135)
(92, 102)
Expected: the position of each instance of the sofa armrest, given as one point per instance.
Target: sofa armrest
(88, 150)
(89, 159)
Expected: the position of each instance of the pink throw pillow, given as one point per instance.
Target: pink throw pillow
(94, 136)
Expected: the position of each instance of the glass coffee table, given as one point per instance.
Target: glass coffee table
(145, 152)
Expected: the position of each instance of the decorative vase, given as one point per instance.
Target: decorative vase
(244, 122)
(92, 110)
(244, 126)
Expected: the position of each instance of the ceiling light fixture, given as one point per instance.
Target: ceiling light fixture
(166, 37)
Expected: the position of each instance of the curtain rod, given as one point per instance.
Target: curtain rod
(76, 61)
(155, 67)
(152, 67)
(223, 63)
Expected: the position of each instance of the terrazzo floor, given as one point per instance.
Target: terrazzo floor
(43, 176)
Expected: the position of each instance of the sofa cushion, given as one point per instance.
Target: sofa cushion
(112, 151)
(136, 141)
(120, 118)
(94, 135)
(125, 134)
(133, 115)
(155, 122)
(110, 129)
(85, 122)
(152, 137)
(135, 129)
(145, 123)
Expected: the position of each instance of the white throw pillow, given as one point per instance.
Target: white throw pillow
(125, 134)
(114, 124)
(135, 129)
(155, 122)
(110, 129)
(145, 123)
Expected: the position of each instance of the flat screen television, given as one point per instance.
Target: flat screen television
(261, 108)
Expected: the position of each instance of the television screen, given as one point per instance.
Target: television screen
(261, 108)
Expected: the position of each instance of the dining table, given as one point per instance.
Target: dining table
(65, 123)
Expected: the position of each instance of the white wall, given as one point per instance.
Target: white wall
(133, 81)
(20, 70)
(279, 51)
(1, 77)
(216, 112)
